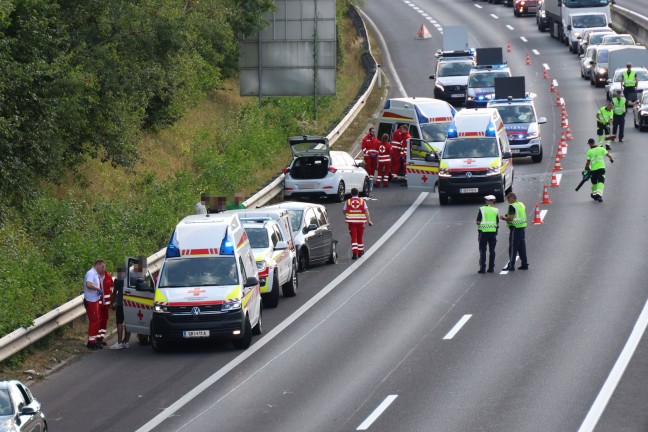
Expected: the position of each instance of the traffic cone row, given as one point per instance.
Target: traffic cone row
(557, 166)
(563, 112)
(508, 47)
(569, 136)
(558, 99)
(545, 74)
(554, 179)
(545, 196)
(552, 88)
(528, 58)
(564, 122)
(537, 220)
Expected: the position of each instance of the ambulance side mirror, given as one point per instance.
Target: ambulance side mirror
(281, 245)
(542, 120)
(141, 285)
(507, 155)
(250, 282)
(360, 163)
(432, 76)
(431, 157)
(311, 227)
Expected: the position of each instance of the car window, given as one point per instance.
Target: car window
(337, 160)
(295, 219)
(274, 235)
(26, 394)
(5, 403)
(243, 273)
(419, 149)
(348, 160)
(258, 237)
(310, 217)
(195, 272)
(18, 398)
(321, 217)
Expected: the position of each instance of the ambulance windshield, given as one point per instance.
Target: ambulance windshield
(461, 148)
(258, 238)
(203, 271)
(516, 114)
(435, 132)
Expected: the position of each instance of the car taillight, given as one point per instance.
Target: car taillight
(286, 170)
(332, 169)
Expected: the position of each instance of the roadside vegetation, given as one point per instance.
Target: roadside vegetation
(114, 117)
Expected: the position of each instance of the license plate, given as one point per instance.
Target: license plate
(515, 151)
(307, 186)
(468, 190)
(195, 333)
(457, 95)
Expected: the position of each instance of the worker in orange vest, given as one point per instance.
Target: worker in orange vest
(356, 215)
(399, 147)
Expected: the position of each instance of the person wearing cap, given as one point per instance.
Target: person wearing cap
(487, 225)
(629, 82)
(596, 166)
(619, 114)
(515, 218)
(603, 119)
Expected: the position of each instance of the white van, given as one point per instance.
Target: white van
(207, 288)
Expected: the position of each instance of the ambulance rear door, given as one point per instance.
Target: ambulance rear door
(422, 165)
(139, 293)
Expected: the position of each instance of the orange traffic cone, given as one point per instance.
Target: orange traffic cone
(545, 74)
(552, 88)
(557, 166)
(554, 179)
(528, 58)
(536, 219)
(508, 47)
(423, 32)
(569, 136)
(545, 196)
(564, 123)
(558, 99)
(563, 111)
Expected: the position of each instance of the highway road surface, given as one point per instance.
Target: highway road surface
(410, 337)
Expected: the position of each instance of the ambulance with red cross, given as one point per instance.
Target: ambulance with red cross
(428, 121)
(207, 288)
(476, 159)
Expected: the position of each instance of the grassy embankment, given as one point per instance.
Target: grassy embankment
(225, 144)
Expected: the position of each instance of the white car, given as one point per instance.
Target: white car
(276, 263)
(618, 39)
(316, 170)
(586, 62)
(615, 83)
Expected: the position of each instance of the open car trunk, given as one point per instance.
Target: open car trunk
(310, 167)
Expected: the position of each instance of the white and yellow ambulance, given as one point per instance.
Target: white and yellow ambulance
(207, 288)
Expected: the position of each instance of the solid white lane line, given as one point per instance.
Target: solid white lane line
(478, 6)
(464, 319)
(504, 272)
(377, 412)
(510, 27)
(535, 51)
(616, 373)
(494, 16)
(523, 39)
(216, 376)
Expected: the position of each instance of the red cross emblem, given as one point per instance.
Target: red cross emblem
(424, 178)
(355, 204)
(140, 315)
(196, 291)
(381, 149)
(469, 161)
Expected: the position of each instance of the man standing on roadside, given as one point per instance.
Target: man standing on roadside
(515, 218)
(123, 336)
(596, 166)
(399, 147)
(92, 292)
(356, 215)
(370, 150)
(619, 110)
(487, 225)
(603, 119)
(630, 83)
(104, 306)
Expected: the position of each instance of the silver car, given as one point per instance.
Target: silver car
(19, 410)
(586, 62)
(640, 113)
(616, 82)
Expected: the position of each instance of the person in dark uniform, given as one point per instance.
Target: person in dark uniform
(487, 226)
(123, 336)
(515, 218)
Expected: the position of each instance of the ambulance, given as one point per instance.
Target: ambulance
(428, 119)
(207, 287)
(476, 159)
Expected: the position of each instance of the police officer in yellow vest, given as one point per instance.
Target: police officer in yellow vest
(515, 218)
(487, 225)
(618, 118)
(630, 83)
(603, 120)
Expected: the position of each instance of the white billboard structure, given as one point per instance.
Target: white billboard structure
(295, 55)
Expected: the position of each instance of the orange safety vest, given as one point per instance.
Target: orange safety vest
(355, 211)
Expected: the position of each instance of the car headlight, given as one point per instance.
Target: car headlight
(444, 172)
(261, 265)
(161, 308)
(577, 34)
(643, 113)
(601, 70)
(471, 98)
(231, 306)
(533, 135)
(493, 171)
(439, 86)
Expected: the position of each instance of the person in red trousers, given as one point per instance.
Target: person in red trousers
(104, 307)
(399, 147)
(370, 150)
(92, 292)
(384, 161)
(356, 215)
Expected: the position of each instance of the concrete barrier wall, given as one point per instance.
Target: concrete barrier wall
(627, 21)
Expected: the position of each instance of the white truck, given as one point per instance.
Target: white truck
(559, 15)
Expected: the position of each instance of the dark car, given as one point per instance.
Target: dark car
(640, 112)
(525, 7)
(541, 17)
(599, 66)
(312, 233)
(19, 410)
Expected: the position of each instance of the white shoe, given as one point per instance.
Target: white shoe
(125, 345)
(117, 346)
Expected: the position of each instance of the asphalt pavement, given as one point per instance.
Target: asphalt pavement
(410, 337)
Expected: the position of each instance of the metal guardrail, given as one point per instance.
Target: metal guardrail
(23, 337)
(627, 21)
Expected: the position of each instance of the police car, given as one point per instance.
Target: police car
(481, 84)
(522, 125)
(451, 75)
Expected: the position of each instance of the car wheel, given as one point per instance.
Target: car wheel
(365, 187)
(246, 340)
(333, 255)
(443, 199)
(341, 192)
(289, 289)
(499, 197)
(510, 188)
(537, 158)
(258, 329)
(303, 259)
(144, 339)
(634, 120)
(158, 346)
(271, 299)
(592, 79)
(582, 74)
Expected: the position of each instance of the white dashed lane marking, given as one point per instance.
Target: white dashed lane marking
(452, 333)
(377, 412)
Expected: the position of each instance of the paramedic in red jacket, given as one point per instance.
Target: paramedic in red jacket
(356, 215)
(104, 306)
(370, 150)
(399, 147)
(384, 161)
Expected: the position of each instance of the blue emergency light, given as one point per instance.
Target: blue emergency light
(452, 130)
(421, 118)
(387, 104)
(172, 249)
(227, 247)
(490, 131)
